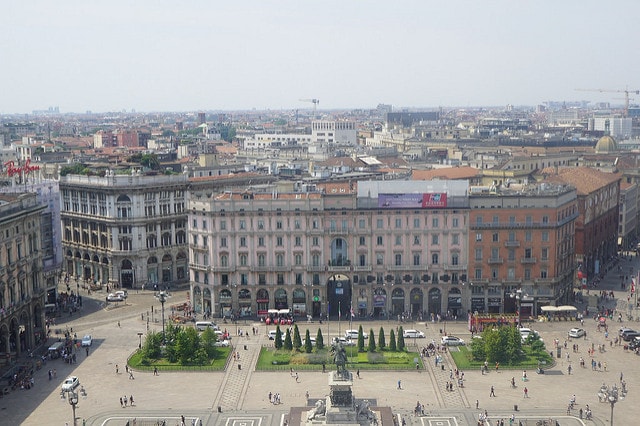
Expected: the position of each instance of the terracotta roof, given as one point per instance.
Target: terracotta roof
(584, 179)
(449, 173)
(337, 188)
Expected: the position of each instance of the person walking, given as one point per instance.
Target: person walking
(477, 404)
(399, 384)
(492, 392)
(155, 371)
(526, 392)
(116, 368)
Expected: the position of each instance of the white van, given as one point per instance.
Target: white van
(203, 325)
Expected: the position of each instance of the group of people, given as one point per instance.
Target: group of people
(124, 401)
(274, 398)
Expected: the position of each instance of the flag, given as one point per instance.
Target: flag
(352, 314)
(633, 285)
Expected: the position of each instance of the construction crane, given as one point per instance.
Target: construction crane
(625, 91)
(314, 101)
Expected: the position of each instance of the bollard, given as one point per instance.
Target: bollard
(219, 409)
(515, 407)
(245, 347)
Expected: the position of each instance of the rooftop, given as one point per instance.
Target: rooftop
(586, 180)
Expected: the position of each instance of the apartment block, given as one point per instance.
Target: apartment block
(125, 230)
(385, 249)
(521, 239)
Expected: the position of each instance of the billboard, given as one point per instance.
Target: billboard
(437, 200)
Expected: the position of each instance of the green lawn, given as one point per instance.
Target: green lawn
(279, 360)
(162, 364)
(464, 360)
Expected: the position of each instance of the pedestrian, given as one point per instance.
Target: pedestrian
(477, 404)
(87, 350)
(131, 375)
(324, 367)
(358, 373)
(569, 369)
(131, 400)
(126, 368)
(526, 392)
(116, 368)
(55, 373)
(497, 366)
(492, 392)
(155, 371)
(118, 323)
(297, 381)
(399, 384)
(121, 403)
(124, 400)
(621, 376)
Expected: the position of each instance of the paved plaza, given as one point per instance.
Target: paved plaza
(239, 396)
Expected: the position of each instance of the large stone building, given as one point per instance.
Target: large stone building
(22, 286)
(391, 248)
(521, 238)
(597, 223)
(125, 230)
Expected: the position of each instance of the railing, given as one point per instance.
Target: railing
(512, 243)
(495, 260)
(528, 260)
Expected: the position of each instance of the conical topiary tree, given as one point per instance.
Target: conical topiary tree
(360, 339)
(372, 342)
(400, 344)
(319, 340)
(288, 344)
(307, 342)
(297, 341)
(382, 344)
(392, 341)
(278, 339)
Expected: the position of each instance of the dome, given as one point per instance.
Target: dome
(606, 144)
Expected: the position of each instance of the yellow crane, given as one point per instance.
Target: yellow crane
(314, 101)
(625, 91)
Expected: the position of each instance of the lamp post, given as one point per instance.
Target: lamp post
(612, 397)
(162, 297)
(518, 296)
(73, 401)
(140, 338)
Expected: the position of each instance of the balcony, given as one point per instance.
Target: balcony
(222, 268)
(457, 267)
(364, 268)
(512, 243)
(495, 261)
(198, 266)
(315, 268)
(341, 268)
(528, 260)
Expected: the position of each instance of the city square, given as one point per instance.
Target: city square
(240, 396)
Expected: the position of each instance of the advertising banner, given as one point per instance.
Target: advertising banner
(413, 201)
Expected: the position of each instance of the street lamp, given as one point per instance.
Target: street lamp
(612, 397)
(73, 401)
(518, 296)
(162, 297)
(140, 343)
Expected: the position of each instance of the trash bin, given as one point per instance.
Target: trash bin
(515, 407)
(442, 365)
(245, 347)
(219, 409)
(239, 367)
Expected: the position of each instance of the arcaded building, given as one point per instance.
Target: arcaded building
(125, 230)
(382, 248)
(522, 238)
(22, 284)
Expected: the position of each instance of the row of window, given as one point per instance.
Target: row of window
(511, 274)
(380, 223)
(511, 254)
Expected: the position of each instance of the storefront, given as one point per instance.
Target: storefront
(299, 302)
(244, 302)
(262, 302)
(495, 305)
(478, 305)
(225, 303)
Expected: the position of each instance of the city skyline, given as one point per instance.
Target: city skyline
(269, 55)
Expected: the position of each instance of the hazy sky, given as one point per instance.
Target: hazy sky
(170, 55)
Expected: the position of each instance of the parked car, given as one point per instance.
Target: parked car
(112, 297)
(635, 343)
(627, 337)
(626, 332)
(344, 341)
(413, 334)
(624, 329)
(353, 334)
(87, 340)
(452, 341)
(526, 332)
(70, 383)
(576, 332)
(122, 293)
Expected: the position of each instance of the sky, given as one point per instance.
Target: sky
(191, 55)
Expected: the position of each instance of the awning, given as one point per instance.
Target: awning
(567, 308)
(549, 309)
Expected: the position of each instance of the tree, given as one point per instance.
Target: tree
(227, 133)
(152, 347)
(502, 344)
(381, 342)
(319, 340)
(307, 342)
(400, 344)
(277, 343)
(208, 341)
(392, 341)
(360, 339)
(150, 161)
(372, 342)
(297, 341)
(288, 344)
(187, 343)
